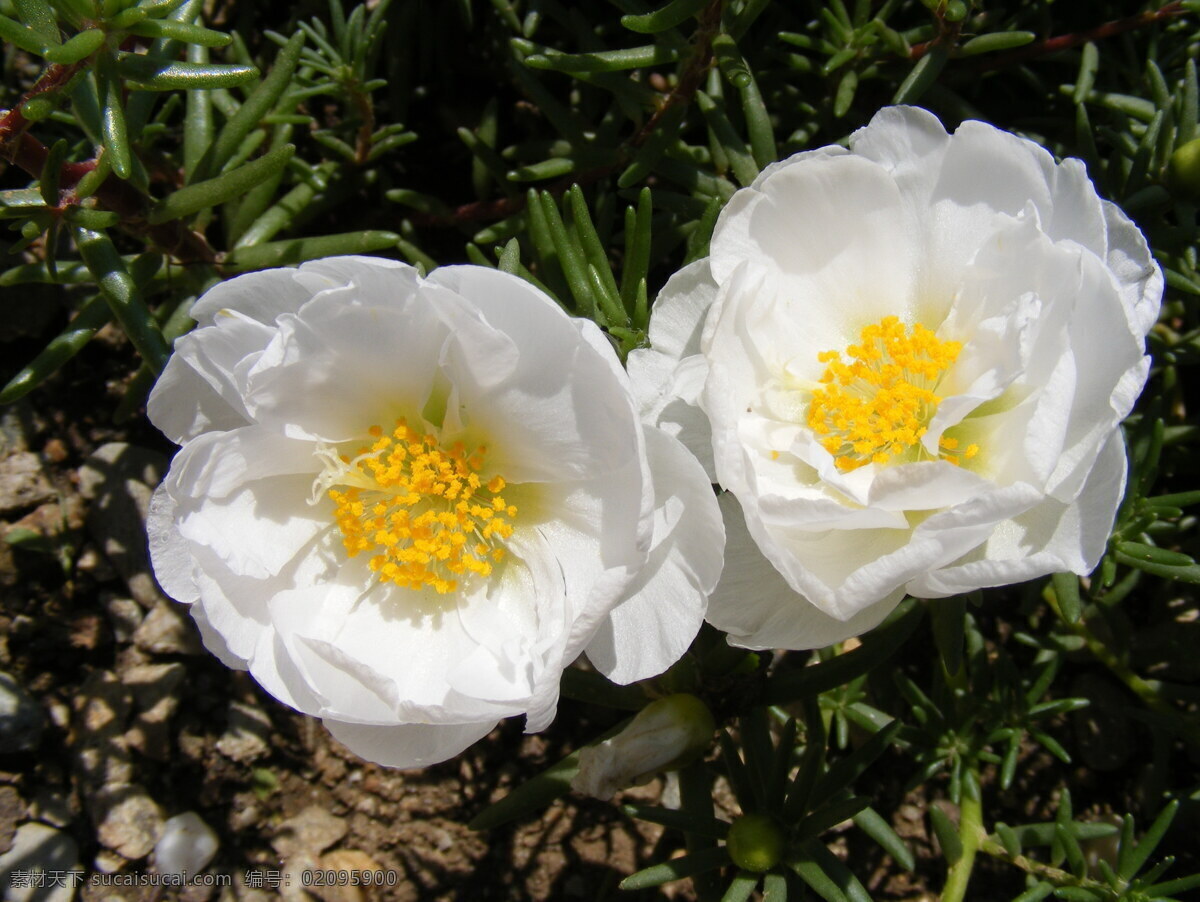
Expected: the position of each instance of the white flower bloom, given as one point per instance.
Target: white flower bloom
(406, 504)
(907, 361)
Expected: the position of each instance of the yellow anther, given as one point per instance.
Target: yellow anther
(420, 509)
(874, 400)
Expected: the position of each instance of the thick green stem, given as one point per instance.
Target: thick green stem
(970, 834)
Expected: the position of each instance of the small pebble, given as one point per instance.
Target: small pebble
(119, 480)
(23, 484)
(38, 846)
(21, 717)
(309, 833)
(167, 630)
(125, 615)
(130, 822)
(247, 735)
(186, 846)
(51, 807)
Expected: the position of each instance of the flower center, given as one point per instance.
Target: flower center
(421, 510)
(877, 397)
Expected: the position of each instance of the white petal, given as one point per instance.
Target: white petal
(996, 170)
(394, 652)
(1111, 373)
(367, 275)
(736, 372)
(168, 549)
(1085, 526)
(261, 296)
(594, 532)
(680, 309)
(350, 362)
(267, 295)
(407, 745)
(543, 429)
(202, 388)
(908, 142)
(214, 641)
(852, 212)
(821, 513)
(922, 486)
(519, 625)
(668, 378)
(845, 571)
(650, 376)
(274, 665)
(1051, 537)
(234, 607)
(237, 607)
(381, 653)
(258, 525)
(1130, 260)
(218, 464)
(654, 625)
(1076, 212)
(294, 661)
(758, 609)
(183, 404)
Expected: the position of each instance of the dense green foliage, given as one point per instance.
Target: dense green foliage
(589, 148)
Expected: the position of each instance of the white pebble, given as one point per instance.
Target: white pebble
(186, 846)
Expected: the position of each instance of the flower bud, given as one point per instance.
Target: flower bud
(1183, 170)
(755, 843)
(665, 735)
(955, 11)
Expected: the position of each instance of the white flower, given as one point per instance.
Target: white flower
(907, 361)
(406, 504)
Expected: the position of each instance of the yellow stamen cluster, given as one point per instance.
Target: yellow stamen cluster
(876, 405)
(421, 508)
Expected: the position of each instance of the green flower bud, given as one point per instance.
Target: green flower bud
(1183, 169)
(37, 108)
(755, 842)
(665, 735)
(956, 11)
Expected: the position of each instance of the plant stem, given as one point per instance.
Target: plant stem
(25, 151)
(1149, 691)
(971, 834)
(1046, 872)
(1065, 41)
(366, 111)
(54, 78)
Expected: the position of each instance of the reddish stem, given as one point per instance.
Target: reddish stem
(118, 197)
(1066, 41)
(13, 122)
(25, 151)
